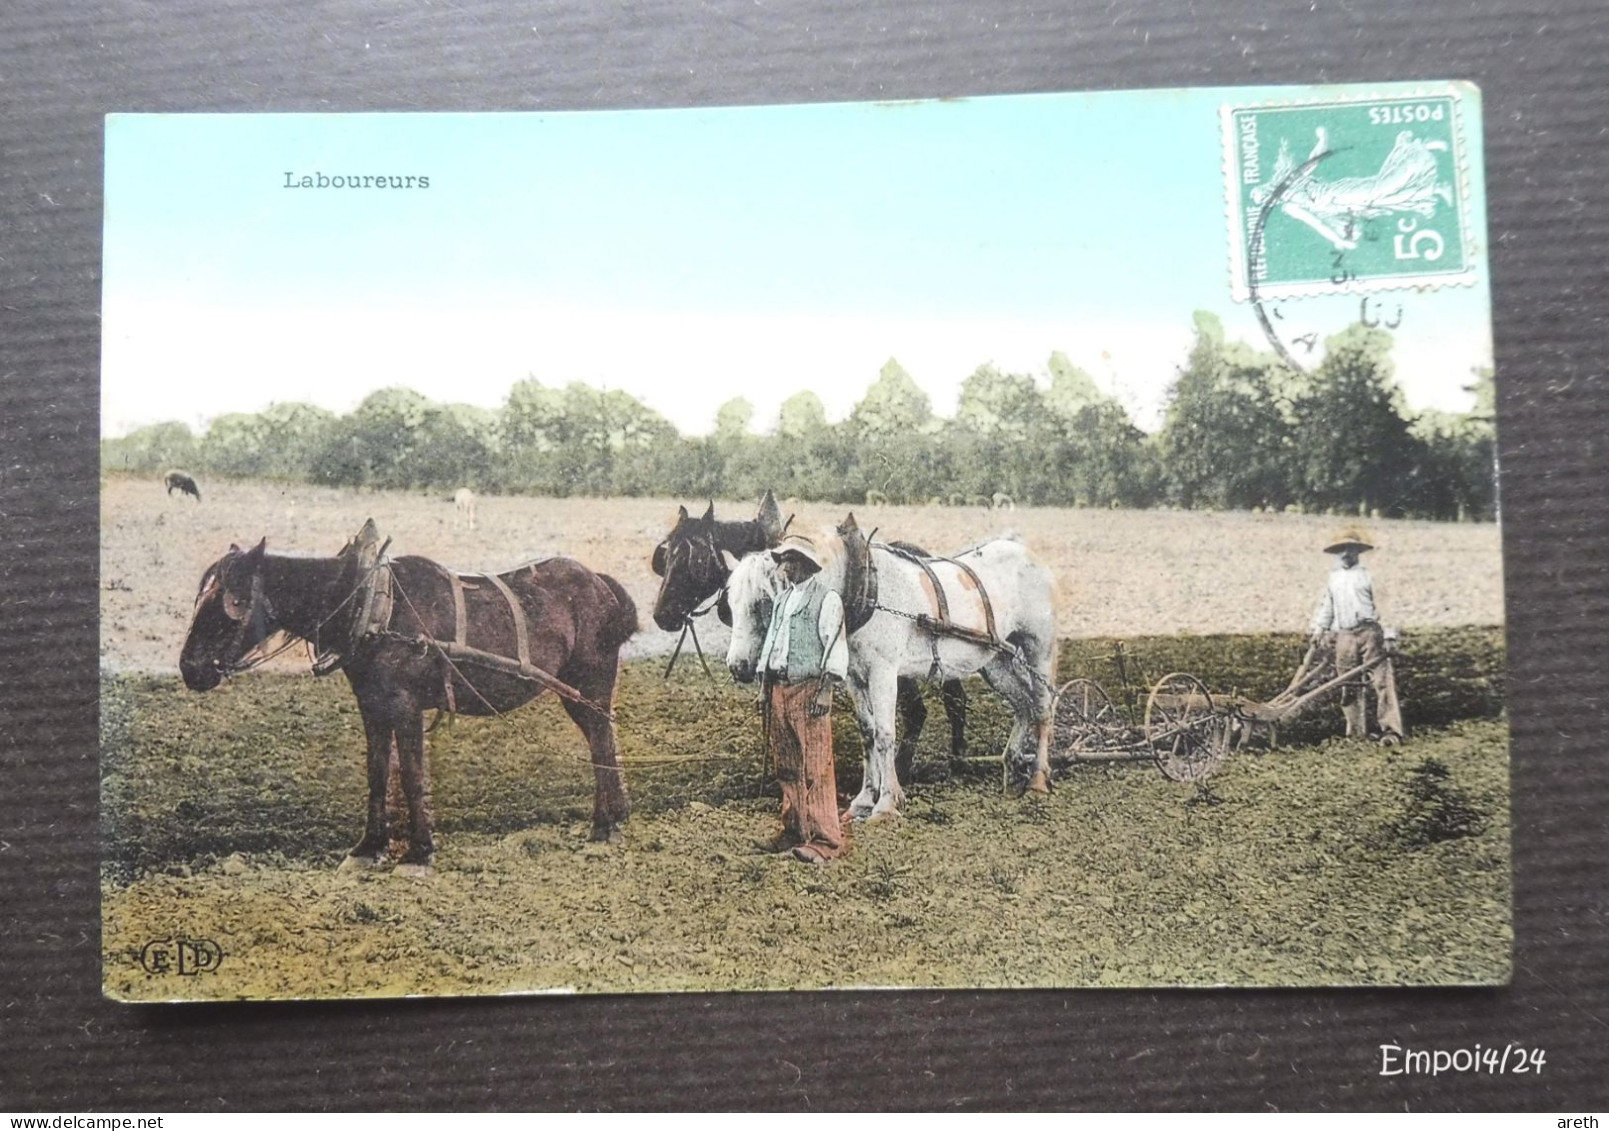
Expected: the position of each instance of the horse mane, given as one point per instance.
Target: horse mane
(213, 573)
(906, 547)
(753, 575)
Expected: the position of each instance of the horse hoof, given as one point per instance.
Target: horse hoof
(1040, 782)
(608, 834)
(412, 871)
(358, 864)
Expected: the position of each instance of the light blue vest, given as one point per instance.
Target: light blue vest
(807, 655)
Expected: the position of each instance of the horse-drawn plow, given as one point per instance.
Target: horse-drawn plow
(1185, 729)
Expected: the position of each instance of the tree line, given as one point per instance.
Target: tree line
(1242, 430)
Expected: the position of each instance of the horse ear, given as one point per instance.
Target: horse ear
(234, 547)
(729, 560)
(681, 514)
(659, 559)
(848, 525)
(770, 518)
(256, 552)
(709, 515)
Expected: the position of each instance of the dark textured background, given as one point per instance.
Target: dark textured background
(1544, 69)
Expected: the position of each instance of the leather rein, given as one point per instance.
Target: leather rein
(258, 618)
(689, 625)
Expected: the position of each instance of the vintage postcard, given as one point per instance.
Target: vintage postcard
(1006, 542)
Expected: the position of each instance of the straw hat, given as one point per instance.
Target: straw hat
(1349, 538)
(800, 545)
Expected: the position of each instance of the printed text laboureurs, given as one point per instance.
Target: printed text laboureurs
(356, 181)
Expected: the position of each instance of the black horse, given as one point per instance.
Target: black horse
(182, 482)
(691, 562)
(413, 637)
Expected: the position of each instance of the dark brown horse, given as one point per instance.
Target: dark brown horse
(691, 560)
(409, 652)
(693, 567)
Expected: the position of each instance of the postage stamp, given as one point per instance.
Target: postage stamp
(1348, 194)
(801, 547)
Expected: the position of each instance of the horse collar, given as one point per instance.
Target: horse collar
(860, 584)
(372, 601)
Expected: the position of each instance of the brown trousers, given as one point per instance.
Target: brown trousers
(1360, 646)
(801, 750)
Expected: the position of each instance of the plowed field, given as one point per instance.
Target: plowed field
(1322, 862)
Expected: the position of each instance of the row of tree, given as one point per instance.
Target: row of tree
(1242, 430)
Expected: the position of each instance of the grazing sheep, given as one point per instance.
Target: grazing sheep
(184, 482)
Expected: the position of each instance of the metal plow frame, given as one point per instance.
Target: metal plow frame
(1183, 732)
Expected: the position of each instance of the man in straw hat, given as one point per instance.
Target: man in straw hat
(1347, 614)
(804, 657)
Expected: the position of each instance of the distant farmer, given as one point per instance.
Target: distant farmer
(804, 657)
(1347, 617)
(185, 484)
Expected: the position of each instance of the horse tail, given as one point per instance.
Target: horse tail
(619, 627)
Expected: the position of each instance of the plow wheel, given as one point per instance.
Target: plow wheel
(1084, 718)
(1189, 739)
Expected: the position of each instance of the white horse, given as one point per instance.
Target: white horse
(893, 644)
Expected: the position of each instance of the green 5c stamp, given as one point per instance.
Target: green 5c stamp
(1347, 195)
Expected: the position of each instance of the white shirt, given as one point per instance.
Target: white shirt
(1348, 601)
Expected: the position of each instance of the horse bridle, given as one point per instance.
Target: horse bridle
(256, 617)
(689, 626)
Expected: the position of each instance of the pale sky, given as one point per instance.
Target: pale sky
(691, 256)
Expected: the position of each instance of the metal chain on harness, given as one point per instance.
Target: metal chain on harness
(936, 628)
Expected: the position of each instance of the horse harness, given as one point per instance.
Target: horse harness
(717, 602)
(936, 626)
(375, 598)
(460, 643)
(690, 628)
(689, 625)
(257, 618)
(459, 650)
(377, 595)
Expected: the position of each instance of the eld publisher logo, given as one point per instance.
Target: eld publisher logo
(185, 956)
